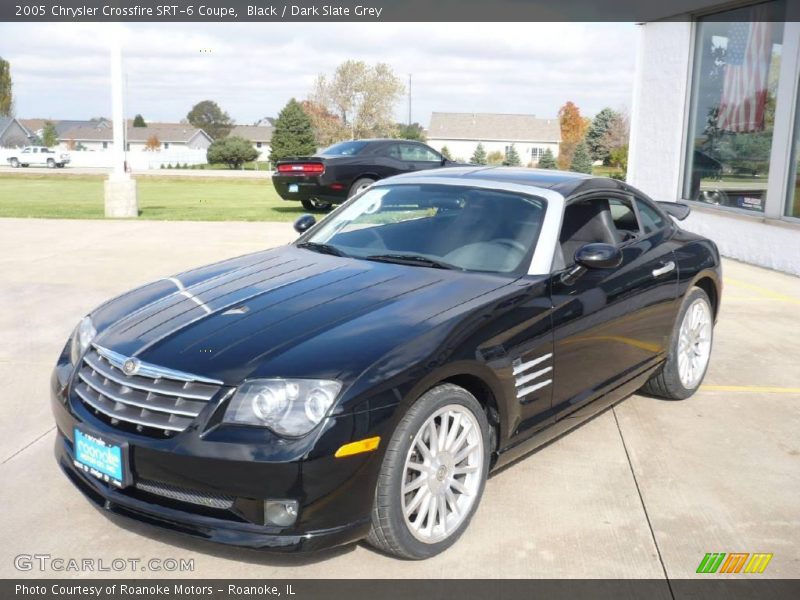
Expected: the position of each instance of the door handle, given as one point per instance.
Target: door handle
(664, 270)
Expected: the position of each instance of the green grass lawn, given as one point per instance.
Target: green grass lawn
(160, 198)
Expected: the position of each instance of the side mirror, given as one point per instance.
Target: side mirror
(598, 256)
(445, 161)
(304, 223)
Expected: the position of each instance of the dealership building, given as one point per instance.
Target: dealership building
(715, 122)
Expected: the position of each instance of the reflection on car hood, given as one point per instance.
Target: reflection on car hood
(295, 310)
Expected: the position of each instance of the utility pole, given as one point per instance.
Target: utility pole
(120, 189)
(409, 99)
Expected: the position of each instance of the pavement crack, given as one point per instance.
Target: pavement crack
(28, 445)
(641, 500)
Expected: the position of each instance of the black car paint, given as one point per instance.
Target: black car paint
(341, 172)
(389, 332)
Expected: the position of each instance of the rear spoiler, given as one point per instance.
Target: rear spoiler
(675, 209)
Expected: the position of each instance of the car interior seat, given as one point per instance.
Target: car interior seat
(585, 223)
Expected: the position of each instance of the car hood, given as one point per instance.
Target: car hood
(286, 312)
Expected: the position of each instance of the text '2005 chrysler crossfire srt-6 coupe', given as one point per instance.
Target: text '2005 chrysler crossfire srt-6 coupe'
(363, 381)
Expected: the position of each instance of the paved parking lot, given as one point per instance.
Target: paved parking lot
(644, 490)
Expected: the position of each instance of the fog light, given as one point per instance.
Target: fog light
(280, 512)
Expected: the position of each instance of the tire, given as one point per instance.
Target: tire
(51, 164)
(314, 205)
(14, 163)
(394, 533)
(667, 381)
(359, 185)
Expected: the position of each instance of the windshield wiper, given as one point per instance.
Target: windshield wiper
(321, 248)
(414, 260)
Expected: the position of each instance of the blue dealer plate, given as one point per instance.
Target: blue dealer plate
(293, 188)
(101, 458)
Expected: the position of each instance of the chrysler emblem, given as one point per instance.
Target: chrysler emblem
(131, 366)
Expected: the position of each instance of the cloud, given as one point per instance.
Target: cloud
(252, 69)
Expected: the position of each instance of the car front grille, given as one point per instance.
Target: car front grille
(154, 401)
(158, 488)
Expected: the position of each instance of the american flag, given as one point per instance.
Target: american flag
(744, 91)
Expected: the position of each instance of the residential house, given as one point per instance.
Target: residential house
(715, 122)
(259, 135)
(462, 132)
(156, 136)
(12, 133)
(36, 126)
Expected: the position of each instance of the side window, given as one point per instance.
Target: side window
(418, 153)
(26, 151)
(35, 150)
(393, 151)
(624, 217)
(651, 219)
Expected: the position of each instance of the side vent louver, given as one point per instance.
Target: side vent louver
(530, 376)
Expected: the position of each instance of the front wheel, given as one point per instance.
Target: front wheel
(689, 352)
(433, 475)
(14, 163)
(314, 205)
(51, 164)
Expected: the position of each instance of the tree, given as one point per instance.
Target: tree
(233, 151)
(495, 158)
(49, 135)
(415, 131)
(152, 144)
(616, 135)
(446, 153)
(293, 134)
(479, 156)
(6, 85)
(597, 131)
(581, 160)
(573, 130)
(363, 97)
(328, 128)
(547, 160)
(138, 121)
(512, 157)
(208, 116)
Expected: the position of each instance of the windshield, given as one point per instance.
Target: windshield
(344, 149)
(436, 225)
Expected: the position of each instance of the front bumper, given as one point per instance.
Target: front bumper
(188, 475)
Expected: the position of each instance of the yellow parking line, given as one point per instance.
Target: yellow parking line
(758, 389)
(763, 291)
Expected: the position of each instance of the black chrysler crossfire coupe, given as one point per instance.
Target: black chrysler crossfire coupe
(363, 381)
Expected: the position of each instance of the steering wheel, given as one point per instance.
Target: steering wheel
(511, 244)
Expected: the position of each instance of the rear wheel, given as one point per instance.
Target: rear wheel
(690, 350)
(359, 186)
(433, 475)
(314, 205)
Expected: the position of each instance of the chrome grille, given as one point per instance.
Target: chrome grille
(160, 399)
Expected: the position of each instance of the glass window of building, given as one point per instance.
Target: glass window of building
(793, 201)
(732, 115)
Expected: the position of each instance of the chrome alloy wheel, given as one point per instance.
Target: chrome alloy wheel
(694, 343)
(442, 473)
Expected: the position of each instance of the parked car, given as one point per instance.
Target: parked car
(39, 156)
(341, 171)
(363, 381)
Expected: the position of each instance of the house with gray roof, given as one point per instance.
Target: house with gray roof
(12, 133)
(36, 126)
(259, 135)
(156, 136)
(462, 132)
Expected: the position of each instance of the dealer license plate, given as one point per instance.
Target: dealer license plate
(293, 188)
(101, 458)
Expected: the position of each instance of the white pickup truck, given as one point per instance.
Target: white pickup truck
(38, 156)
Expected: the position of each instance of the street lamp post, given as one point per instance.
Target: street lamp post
(120, 188)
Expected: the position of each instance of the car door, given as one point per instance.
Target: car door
(609, 324)
(390, 159)
(419, 157)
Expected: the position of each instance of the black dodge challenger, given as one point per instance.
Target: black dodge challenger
(363, 381)
(345, 169)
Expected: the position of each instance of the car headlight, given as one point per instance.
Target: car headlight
(81, 338)
(290, 407)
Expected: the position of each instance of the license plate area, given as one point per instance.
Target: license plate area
(101, 458)
(293, 188)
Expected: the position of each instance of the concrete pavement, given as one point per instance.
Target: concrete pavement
(642, 491)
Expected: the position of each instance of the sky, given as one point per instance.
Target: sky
(61, 70)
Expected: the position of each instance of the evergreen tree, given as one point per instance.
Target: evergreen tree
(6, 97)
(547, 160)
(293, 134)
(233, 151)
(446, 153)
(601, 124)
(512, 157)
(581, 161)
(49, 135)
(138, 121)
(479, 156)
